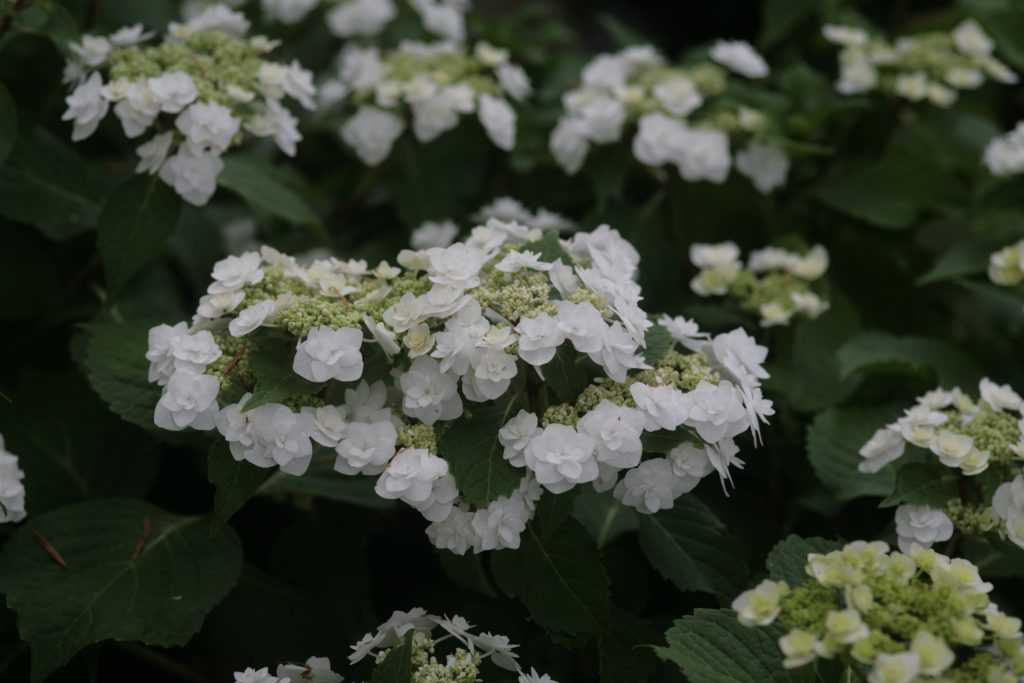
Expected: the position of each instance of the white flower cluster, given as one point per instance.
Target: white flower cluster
(475, 321)
(1006, 266)
(909, 618)
(930, 67)
(12, 490)
(682, 115)
(1008, 505)
(433, 84)
(967, 435)
(505, 209)
(315, 670)
(775, 283)
(445, 19)
(203, 90)
(1004, 154)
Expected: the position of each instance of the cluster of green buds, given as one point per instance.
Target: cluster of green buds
(685, 115)
(775, 283)
(1006, 266)
(899, 618)
(930, 67)
(201, 91)
(433, 84)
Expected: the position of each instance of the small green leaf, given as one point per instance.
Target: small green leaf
(663, 441)
(787, 559)
(235, 481)
(475, 455)
(133, 572)
(260, 185)
(321, 480)
(659, 343)
(834, 440)
(780, 18)
(567, 374)
(966, 258)
(549, 247)
(397, 665)
(924, 483)
(559, 577)
(134, 226)
(711, 646)
(271, 365)
(603, 516)
(691, 547)
(115, 362)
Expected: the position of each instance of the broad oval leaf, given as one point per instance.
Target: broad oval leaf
(126, 571)
(259, 185)
(476, 457)
(924, 483)
(787, 559)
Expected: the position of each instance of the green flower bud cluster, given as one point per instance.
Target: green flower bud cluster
(514, 296)
(973, 520)
(930, 67)
(775, 283)
(993, 431)
(418, 435)
(901, 618)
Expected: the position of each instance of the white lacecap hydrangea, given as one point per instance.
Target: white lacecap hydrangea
(12, 487)
(450, 336)
(381, 95)
(931, 67)
(196, 118)
(673, 112)
(1004, 154)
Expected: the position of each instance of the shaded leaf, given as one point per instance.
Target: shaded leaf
(872, 352)
(603, 516)
(270, 362)
(8, 122)
(787, 559)
(659, 343)
(475, 455)
(397, 665)
(115, 362)
(259, 185)
(235, 481)
(924, 483)
(322, 481)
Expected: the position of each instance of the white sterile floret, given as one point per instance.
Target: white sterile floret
(499, 120)
(492, 373)
(428, 393)
(718, 255)
(12, 489)
(618, 353)
(616, 430)
(153, 154)
(560, 458)
(693, 463)
(1008, 505)
(607, 251)
(251, 675)
(514, 261)
(532, 676)
(767, 166)
(275, 121)
(281, 437)
(372, 132)
(366, 448)
(330, 354)
(439, 112)
(539, 339)
(500, 525)
(360, 17)
(678, 95)
(759, 606)
(582, 324)
(456, 266)
(328, 424)
(316, 669)
(251, 318)
(1000, 396)
(412, 476)
(569, 144)
(208, 126)
(434, 234)
(515, 435)
(902, 667)
(739, 357)
(217, 17)
(705, 156)
(716, 411)
(173, 91)
(970, 38)
(1004, 155)
(651, 486)
(739, 56)
(922, 525)
(684, 331)
(514, 81)
(189, 400)
(455, 533)
(86, 107)
(192, 174)
(664, 407)
(457, 346)
(884, 446)
(91, 50)
(288, 12)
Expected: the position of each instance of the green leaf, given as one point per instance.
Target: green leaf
(834, 440)
(924, 483)
(787, 559)
(120, 582)
(863, 192)
(49, 20)
(397, 665)
(559, 577)
(969, 257)
(663, 441)
(603, 516)
(880, 352)
(322, 481)
(475, 455)
(567, 374)
(691, 547)
(659, 343)
(235, 481)
(45, 184)
(549, 248)
(8, 122)
(134, 226)
(259, 184)
(116, 365)
(711, 646)
(271, 365)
